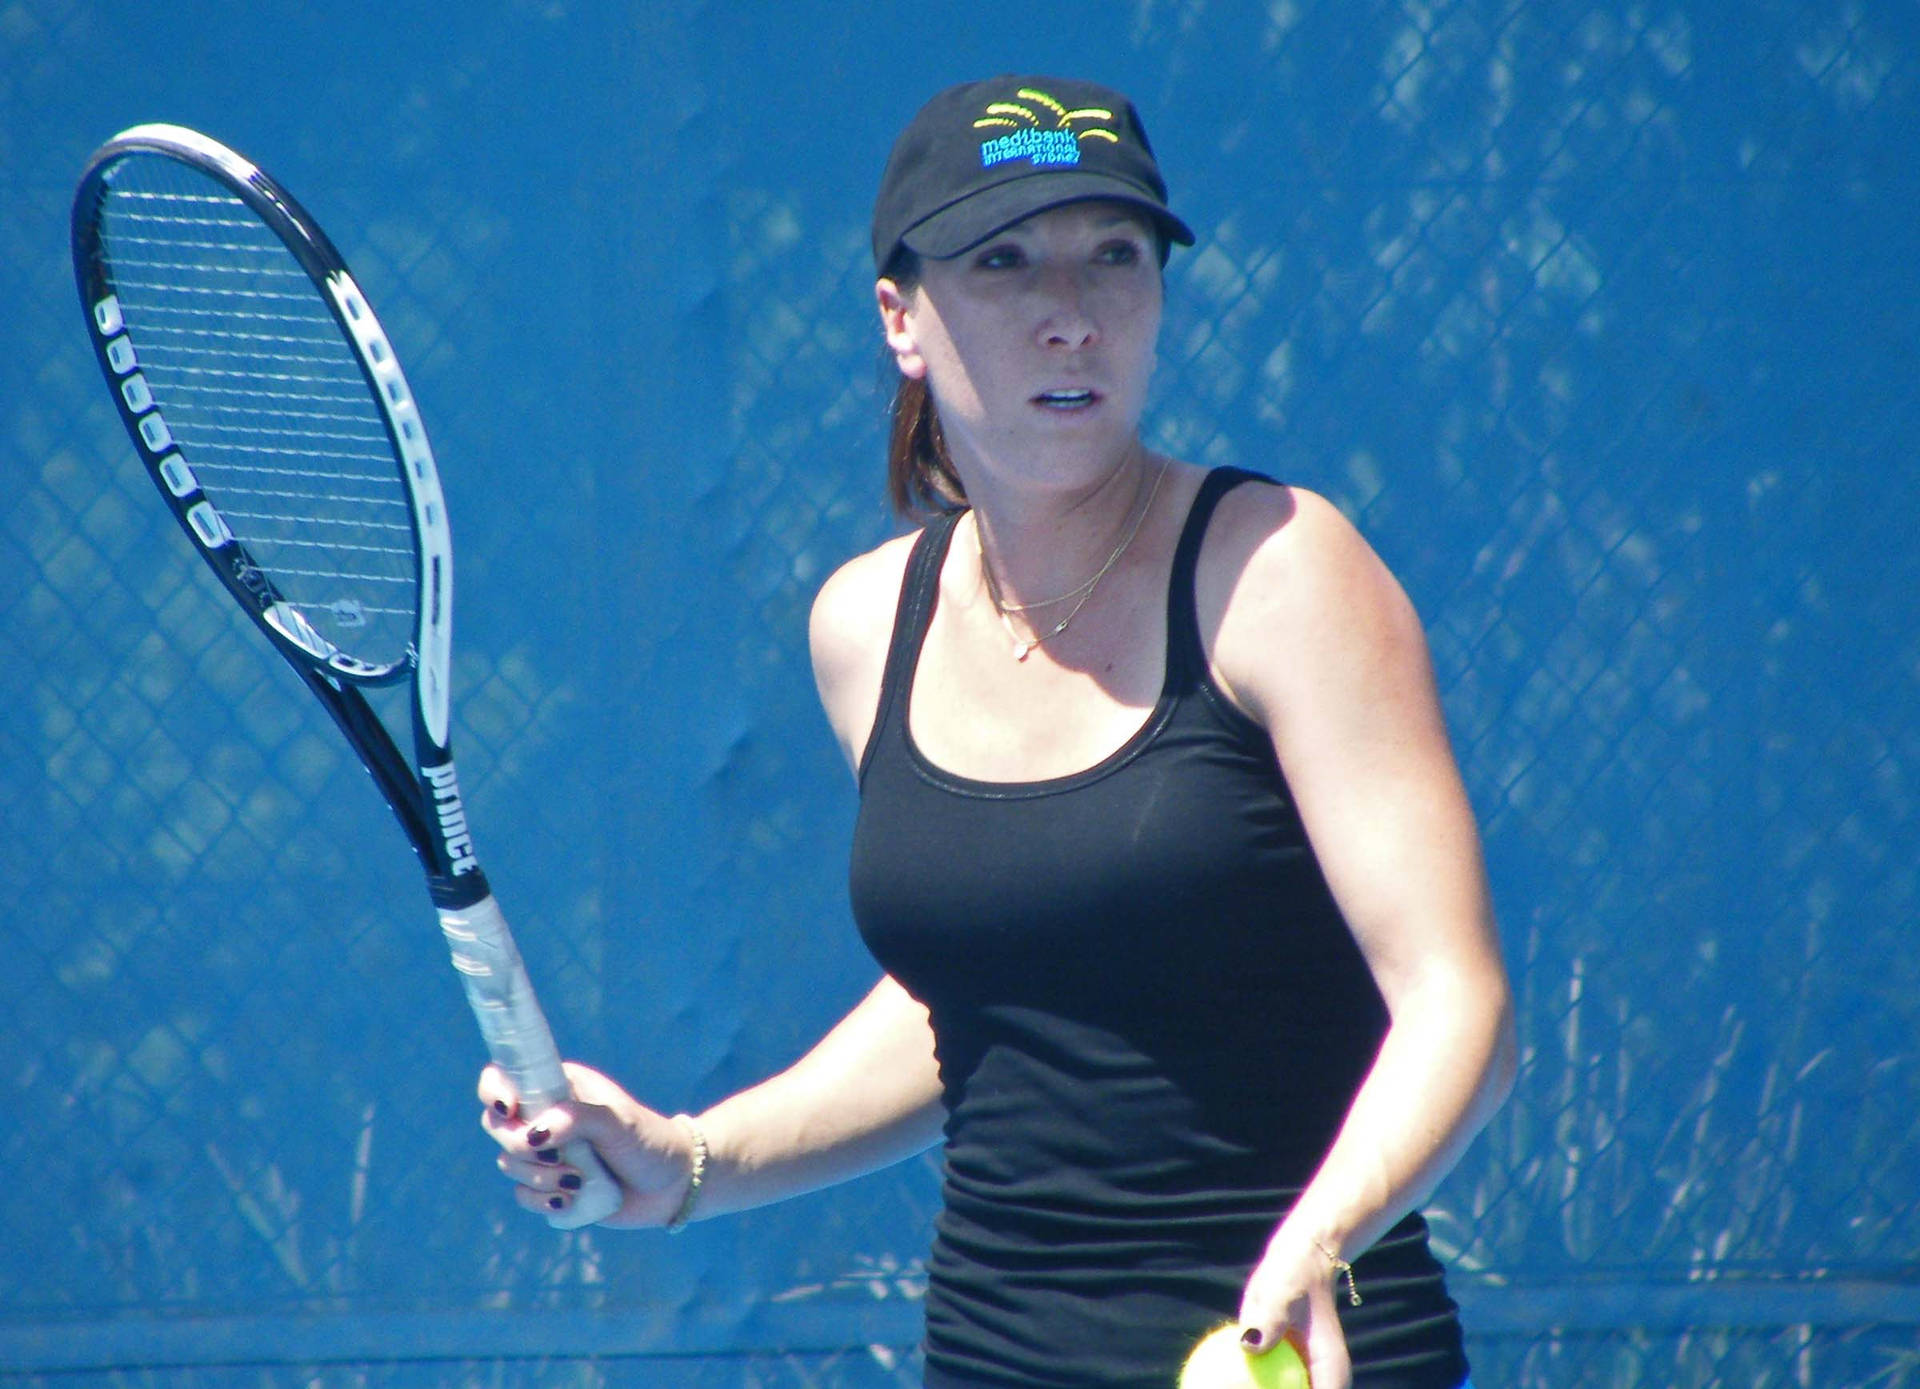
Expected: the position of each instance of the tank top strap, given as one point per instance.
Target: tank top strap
(1186, 654)
(919, 586)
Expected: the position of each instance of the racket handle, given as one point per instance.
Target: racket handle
(520, 1042)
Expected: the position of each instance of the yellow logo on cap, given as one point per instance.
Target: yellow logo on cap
(1043, 136)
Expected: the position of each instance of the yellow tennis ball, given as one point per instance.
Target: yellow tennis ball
(1221, 1362)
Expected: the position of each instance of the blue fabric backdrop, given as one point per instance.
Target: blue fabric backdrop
(1600, 318)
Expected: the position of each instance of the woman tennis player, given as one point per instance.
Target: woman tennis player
(1189, 960)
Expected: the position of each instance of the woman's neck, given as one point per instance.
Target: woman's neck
(1042, 544)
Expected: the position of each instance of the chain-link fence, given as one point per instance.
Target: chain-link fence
(1600, 318)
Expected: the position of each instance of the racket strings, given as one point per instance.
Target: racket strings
(266, 401)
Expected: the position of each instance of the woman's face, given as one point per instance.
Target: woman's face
(1040, 341)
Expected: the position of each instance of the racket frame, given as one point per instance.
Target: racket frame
(425, 798)
(426, 802)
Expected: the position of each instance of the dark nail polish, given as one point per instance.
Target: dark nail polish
(548, 1155)
(570, 1182)
(500, 1108)
(556, 1203)
(1251, 1338)
(538, 1138)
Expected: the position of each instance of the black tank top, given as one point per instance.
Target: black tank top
(1150, 1019)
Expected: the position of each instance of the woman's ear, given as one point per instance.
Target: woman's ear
(895, 323)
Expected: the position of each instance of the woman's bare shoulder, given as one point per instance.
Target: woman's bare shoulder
(1272, 524)
(1287, 583)
(850, 629)
(854, 607)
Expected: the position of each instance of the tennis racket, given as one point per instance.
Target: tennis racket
(268, 406)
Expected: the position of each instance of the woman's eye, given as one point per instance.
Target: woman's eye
(999, 258)
(1120, 253)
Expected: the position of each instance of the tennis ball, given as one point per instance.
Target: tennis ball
(1221, 1362)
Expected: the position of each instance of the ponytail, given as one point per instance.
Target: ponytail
(920, 476)
(921, 480)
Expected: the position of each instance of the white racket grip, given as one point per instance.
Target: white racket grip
(521, 1043)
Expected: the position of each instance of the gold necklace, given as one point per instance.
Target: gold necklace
(1023, 646)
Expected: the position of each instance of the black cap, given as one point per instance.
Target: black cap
(982, 156)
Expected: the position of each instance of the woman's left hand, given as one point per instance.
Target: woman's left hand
(1290, 1293)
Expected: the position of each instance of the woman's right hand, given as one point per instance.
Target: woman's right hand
(649, 1154)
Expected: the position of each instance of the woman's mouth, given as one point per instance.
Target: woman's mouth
(1071, 399)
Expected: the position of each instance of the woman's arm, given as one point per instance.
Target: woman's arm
(867, 1095)
(1313, 637)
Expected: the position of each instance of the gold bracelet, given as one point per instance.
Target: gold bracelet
(694, 1178)
(1341, 1267)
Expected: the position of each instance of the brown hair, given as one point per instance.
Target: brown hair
(921, 480)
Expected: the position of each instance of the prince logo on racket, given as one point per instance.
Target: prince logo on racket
(453, 818)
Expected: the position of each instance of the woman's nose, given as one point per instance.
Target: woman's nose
(1065, 321)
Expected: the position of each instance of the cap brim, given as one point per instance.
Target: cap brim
(965, 224)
